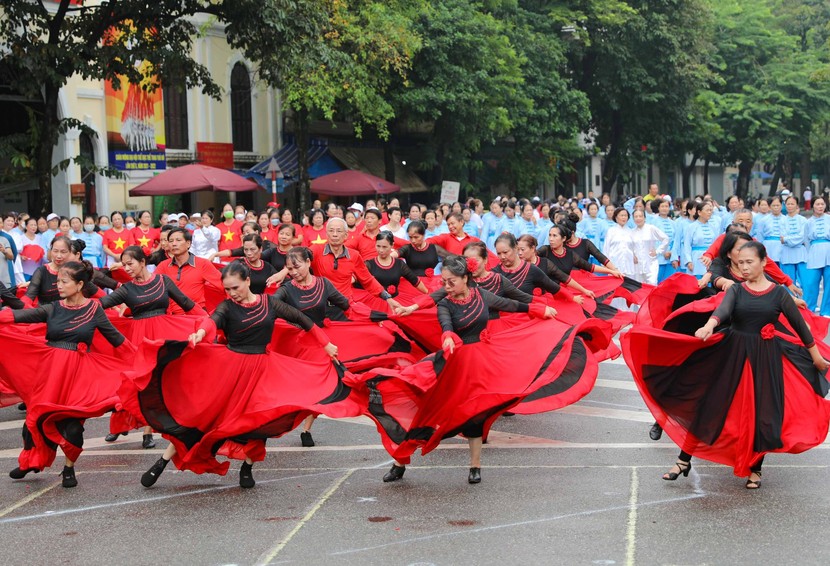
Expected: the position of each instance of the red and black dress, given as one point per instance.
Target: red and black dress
(259, 275)
(270, 253)
(60, 379)
(228, 398)
(43, 287)
(423, 261)
(361, 342)
(442, 396)
(148, 303)
(586, 249)
(749, 390)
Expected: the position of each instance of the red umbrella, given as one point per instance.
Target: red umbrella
(352, 183)
(191, 178)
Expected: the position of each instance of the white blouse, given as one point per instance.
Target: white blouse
(205, 241)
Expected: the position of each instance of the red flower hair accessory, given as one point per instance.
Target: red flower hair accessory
(472, 264)
(768, 332)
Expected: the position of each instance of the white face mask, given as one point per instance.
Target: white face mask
(240, 217)
(130, 225)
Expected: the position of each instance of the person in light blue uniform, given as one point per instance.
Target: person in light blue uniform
(699, 236)
(681, 226)
(492, 225)
(592, 226)
(793, 252)
(660, 219)
(818, 257)
(527, 222)
(511, 223)
(772, 229)
(544, 224)
(759, 217)
(470, 227)
(94, 250)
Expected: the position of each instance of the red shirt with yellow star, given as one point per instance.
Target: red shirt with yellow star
(313, 236)
(231, 235)
(147, 240)
(117, 242)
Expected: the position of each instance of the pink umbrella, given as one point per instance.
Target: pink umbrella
(191, 178)
(352, 183)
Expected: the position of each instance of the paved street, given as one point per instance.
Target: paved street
(579, 486)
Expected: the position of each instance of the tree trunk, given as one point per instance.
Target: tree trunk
(776, 175)
(805, 170)
(744, 172)
(686, 172)
(706, 176)
(389, 159)
(46, 139)
(611, 167)
(303, 187)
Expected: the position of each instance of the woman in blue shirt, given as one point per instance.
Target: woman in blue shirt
(818, 257)
(699, 236)
(793, 253)
(94, 250)
(660, 218)
(771, 230)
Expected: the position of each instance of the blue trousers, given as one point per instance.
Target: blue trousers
(666, 270)
(811, 288)
(797, 272)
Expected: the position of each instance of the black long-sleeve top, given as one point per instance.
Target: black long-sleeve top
(8, 297)
(468, 319)
(528, 277)
(315, 300)
(66, 327)
(270, 254)
(150, 298)
(44, 285)
(421, 260)
(248, 328)
(259, 275)
(566, 262)
(390, 276)
(749, 311)
(586, 249)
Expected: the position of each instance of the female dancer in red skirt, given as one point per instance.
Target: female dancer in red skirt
(388, 270)
(234, 396)
(421, 255)
(61, 381)
(735, 395)
(465, 389)
(148, 296)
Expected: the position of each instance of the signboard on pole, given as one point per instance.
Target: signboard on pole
(450, 191)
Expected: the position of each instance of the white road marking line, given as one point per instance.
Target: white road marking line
(631, 523)
(27, 499)
(149, 499)
(272, 553)
(615, 384)
(635, 416)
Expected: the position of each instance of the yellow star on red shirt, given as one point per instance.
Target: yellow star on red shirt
(229, 235)
(119, 243)
(319, 240)
(144, 241)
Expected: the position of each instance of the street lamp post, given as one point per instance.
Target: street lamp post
(277, 178)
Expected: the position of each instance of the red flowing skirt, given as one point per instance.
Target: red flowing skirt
(733, 398)
(209, 400)
(440, 396)
(61, 388)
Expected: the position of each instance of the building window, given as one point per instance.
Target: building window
(241, 120)
(175, 116)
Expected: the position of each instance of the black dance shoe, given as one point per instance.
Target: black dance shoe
(394, 474)
(475, 475)
(150, 477)
(68, 477)
(21, 407)
(246, 476)
(655, 432)
(753, 484)
(18, 474)
(148, 441)
(508, 414)
(306, 440)
(113, 436)
(684, 467)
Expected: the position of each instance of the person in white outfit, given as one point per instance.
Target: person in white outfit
(619, 244)
(205, 242)
(649, 243)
